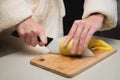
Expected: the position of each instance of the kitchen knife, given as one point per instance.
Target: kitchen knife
(53, 45)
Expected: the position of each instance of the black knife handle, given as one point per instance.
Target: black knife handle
(15, 34)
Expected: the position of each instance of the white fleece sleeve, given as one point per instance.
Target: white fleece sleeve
(13, 12)
(106, 7)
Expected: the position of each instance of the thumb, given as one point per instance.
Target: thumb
(43, 38)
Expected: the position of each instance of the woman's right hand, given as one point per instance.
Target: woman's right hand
(29, 30)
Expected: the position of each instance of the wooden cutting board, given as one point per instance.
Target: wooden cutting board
(69, 66)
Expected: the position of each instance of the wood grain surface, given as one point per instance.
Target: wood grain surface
(69, 66)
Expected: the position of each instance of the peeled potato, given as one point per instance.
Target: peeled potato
(66, 50)
(94, 44)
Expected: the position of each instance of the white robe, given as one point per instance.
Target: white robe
(49, 13)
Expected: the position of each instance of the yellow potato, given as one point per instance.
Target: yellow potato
(94, 44)
(66, 50)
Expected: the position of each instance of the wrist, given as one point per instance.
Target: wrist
(23, 21)
(99, 15)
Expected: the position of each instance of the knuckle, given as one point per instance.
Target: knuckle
(76, 36)
(87, 25)
(27, 33)
(35, 31)
(76, 41)
(22, 33)
(31, 32)
(83, 36)
(70, 35)
(81, 22)
(76, 21)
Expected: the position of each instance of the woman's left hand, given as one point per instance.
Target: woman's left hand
(82, 31)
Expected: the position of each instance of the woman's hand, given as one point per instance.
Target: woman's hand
(82, 31)
(29, 30)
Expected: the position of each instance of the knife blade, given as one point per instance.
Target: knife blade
(53, 45)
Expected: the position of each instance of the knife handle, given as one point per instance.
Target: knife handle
(15, 34)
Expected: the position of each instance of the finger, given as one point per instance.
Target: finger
(43, 37)
(80, 48)
(28, 38)
(71, 33)
(77, 38)
(82, 39)
(90, 34)
(22, 36)
(84, 32)
(33, 39)
(41, 44)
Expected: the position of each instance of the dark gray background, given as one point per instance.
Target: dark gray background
(74, 10)
(113, 33)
